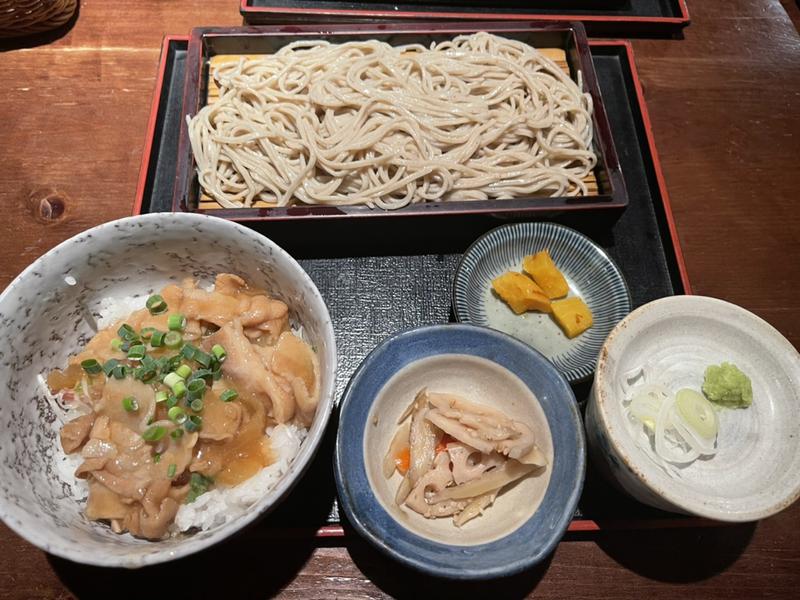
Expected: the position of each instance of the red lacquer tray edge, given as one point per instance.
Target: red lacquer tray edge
(151, 122)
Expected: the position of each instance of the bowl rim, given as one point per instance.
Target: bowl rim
(558, 526)
(571, 378)
(282, 487)
(601, 401)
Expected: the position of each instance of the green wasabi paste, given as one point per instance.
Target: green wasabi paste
(727, 386)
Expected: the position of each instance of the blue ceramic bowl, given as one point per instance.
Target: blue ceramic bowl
(529, 518)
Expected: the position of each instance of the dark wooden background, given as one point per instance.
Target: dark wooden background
(725, 106)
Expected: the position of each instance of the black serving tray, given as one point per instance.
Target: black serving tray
(632, 17)
(384, 275)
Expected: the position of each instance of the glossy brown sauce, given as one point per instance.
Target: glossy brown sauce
(235, 460)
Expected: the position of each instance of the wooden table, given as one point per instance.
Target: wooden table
(724, 103)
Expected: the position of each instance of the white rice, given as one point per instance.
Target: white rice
(111, 310)
(221, 505)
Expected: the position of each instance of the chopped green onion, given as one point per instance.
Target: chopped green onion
(147, 332)
(176, 434)
(168, 364)
(120, 371)
(193, 423)
(229, 395)
(200, 374)
(219, 352)
(116, 343)
(188, 351)
(216, 374)
(197, 405)
(149, 364)
(154, 433)
(91, 366)
(172, 339)
(109, 366)
(179, 389)
(176, 414)
(198, 485)
(203, 359)
(130, 404)
(161, 397)
(157, 457)
(157, 339)
(197, 387)
(143, 374)
(171, 470)
(176, 322)
(184, 371)
(171, 401)
(156, 304)
(171, 379)
(127, 333)
(137, 352)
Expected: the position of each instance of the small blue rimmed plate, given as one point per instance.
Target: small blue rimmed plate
(590, 272)
(528, 519)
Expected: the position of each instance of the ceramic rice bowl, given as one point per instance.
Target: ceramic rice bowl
(47, 313)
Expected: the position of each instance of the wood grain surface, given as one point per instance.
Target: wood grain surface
(724, 102)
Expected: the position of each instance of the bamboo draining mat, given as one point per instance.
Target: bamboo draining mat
(557, 55)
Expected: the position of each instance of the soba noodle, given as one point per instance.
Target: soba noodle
(474, 118)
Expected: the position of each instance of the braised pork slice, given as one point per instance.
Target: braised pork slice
(105, 504)
(75, 432)
(111, 403)
(220, 419)
(295, 362)
(243, 366)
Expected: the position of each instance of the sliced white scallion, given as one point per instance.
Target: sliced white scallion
(697, 423)
(646, 404)
(677, 429)
(667, 447)
(633, 378)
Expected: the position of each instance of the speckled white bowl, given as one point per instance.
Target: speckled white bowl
(43, 319)
(756, 471)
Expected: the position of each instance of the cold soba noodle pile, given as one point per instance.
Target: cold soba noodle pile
(474, 118)
(177, 401)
